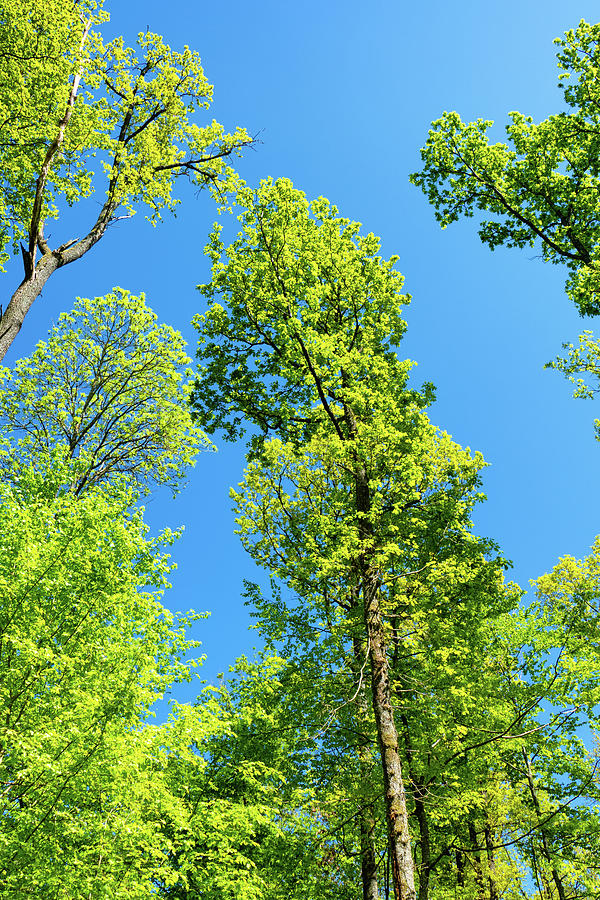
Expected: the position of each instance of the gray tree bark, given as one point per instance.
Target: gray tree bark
(38, 273)
(403, 873)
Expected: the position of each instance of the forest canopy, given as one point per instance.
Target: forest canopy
(413, 724)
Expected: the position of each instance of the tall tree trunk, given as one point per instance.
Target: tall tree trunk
(403, 873)
(366, 815)
(403, 877)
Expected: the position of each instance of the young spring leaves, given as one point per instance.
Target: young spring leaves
(307, 298)
(85, 649)
(357, 493)
(81, 116)
(106, 393)
(539, 189)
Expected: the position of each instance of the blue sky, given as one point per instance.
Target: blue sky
(341, 95)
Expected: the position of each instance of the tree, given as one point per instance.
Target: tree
(261, 777)
(106, 393)
(562, 769)
(86, 648)
(96, 415)
(96, 801)
(79, 116)
(542, 187)
(357, 491)
(442, 609)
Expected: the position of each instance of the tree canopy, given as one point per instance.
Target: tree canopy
(82, 116)
(413, 725)
(105, 392)
(541, 188)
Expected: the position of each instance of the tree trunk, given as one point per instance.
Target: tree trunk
(36, 276)
(22, 300)
(476, 860)
(403, 872)
(403, 877)
(368, 859)
(368, 856)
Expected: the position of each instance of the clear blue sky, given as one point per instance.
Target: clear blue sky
(342, 94)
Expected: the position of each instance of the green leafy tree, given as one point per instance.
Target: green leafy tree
(98, 413)
(357, 491)
(86, 648)
(560, 768)
(262, 777)
(441, 610)
(541, 187)
(105, 392)
(81, 115)
(96, 801)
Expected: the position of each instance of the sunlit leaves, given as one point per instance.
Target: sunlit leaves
(299, 283)
(131, 126)
(300, 345)
(542, 187)
(85, 649)
(106, 392)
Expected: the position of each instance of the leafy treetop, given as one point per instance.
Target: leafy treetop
(79, 116)
(310, 319)
(105, 392)
(541, 188)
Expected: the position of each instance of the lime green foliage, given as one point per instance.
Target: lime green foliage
(295, 511)
(105, 392)
(82, 115)
(357, 506)
(257, 831)
(98, 413)
(323, 724)
(558, 768)
(581, 366)
(443, 605)
(96, 801)
(300, 283)
(541, 187)
(85, 649)
(299, 347)
(569, 596)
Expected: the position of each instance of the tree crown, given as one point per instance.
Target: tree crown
(542, 186)
(105, 392)
(76, 110)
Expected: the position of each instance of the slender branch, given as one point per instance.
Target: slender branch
(51, 152)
